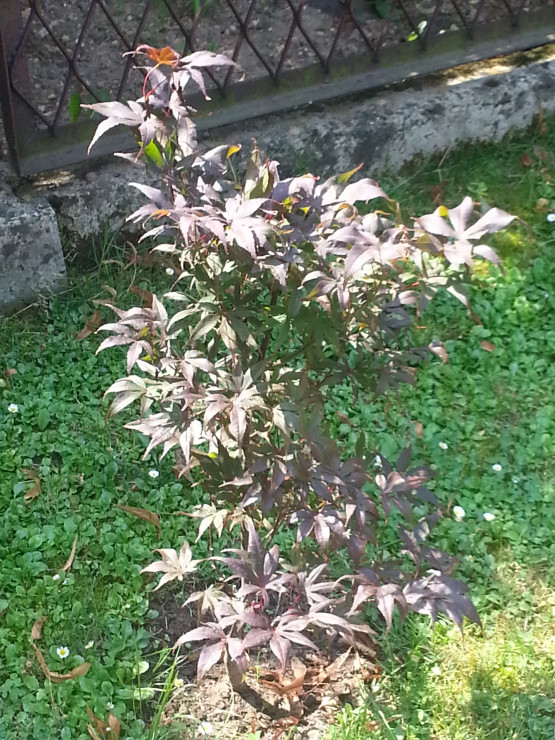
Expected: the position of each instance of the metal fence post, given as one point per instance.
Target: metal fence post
(16, 116)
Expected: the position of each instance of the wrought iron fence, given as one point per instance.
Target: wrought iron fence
(55, 54)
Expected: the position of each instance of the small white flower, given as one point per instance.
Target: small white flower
(515, 479)
(497, 468)
(169, 271)
(64, 582)
(459, 513)
(436, 671)
(178, 683)
(378, 461)
(63, 652)
(89, 644)
(56, 577)
(13, 408)
(469, 558)
(488, 516)
(109, 705)
(204, 729)
(154, 474)
(444, 445)
(551, 217)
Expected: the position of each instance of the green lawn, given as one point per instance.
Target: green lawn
(491, 408)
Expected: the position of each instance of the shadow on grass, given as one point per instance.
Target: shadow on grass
(500, 712)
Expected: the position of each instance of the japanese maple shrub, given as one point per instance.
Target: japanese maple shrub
(283, 289)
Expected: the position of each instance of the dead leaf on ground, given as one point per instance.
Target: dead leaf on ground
(145, 295)
(418, 428)
(542, 204)
(274, 681)
(91, 325)
(326, 673)
(8, 372)
(145, 514)
(437, 192)
(488, 346)
(525, 160)
(344, 418)
(36, 630)
(81, 670)
(112, 291)
(34, 491)
(100, 729)
(67, 565)
(438, 349)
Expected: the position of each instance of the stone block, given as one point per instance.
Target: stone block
(31, 260)
(90, 203)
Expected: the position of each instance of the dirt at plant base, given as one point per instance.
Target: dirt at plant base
(299, 706)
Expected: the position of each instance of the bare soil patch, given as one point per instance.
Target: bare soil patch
(299, 705)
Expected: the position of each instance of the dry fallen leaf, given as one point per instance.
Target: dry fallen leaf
(67, 565)
(542, 204)
(275, 682)
(81, 670)
(100, 729)
(145, 295)
(326, 673)
(343, 418)
(36, 630)
(34, 491)
(148, 516)
(438, 348)
(8, 373)
(418, 428)
(488, 346)
(525, 160)
(91, 325)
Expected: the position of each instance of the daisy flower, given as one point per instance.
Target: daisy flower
(154, 474)
(89, 644)
(63, 652)
(515, 479)
(169, 271)
(444, 445)
(109, 705)
(204, 729)
(56, 577)
(13, 408)
(497, 468)
(459, 513)
(488, 516)
(551, 217)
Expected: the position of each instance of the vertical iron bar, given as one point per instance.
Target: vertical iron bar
(18, 120)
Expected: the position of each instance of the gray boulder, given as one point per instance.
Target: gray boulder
(31, 260)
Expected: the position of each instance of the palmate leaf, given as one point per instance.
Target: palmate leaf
(173, 565)
(460, 234)
(441, 593)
